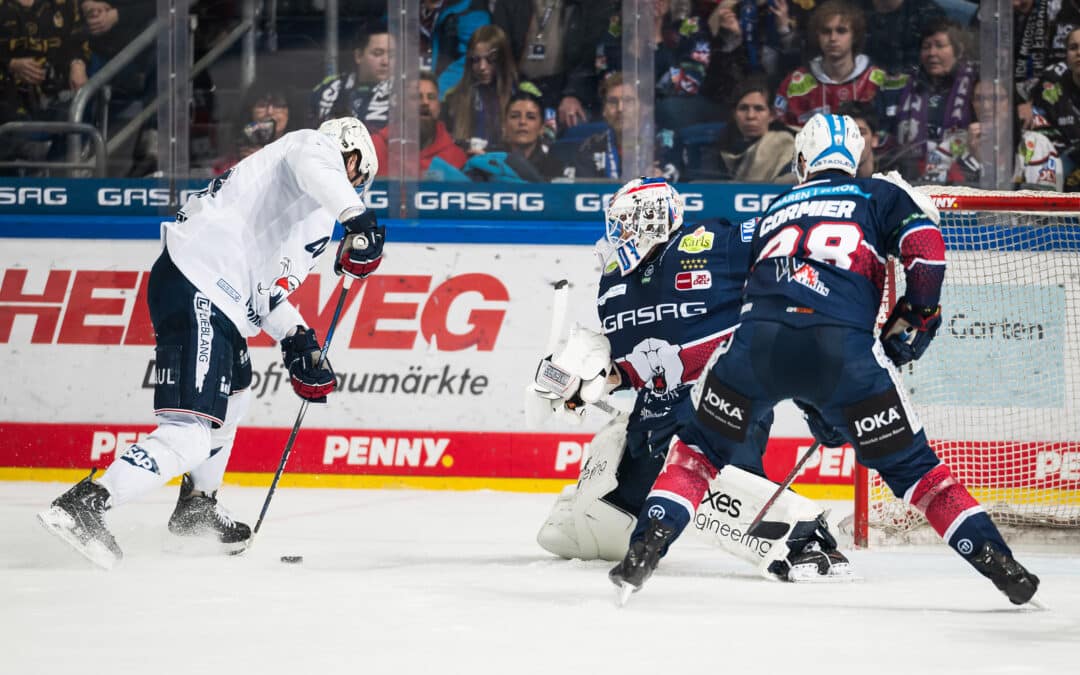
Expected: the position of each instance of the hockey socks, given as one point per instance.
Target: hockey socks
(954, 514)
(677, 491)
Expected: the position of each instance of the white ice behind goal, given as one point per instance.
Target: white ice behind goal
(998, 391)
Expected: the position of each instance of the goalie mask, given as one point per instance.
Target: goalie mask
(827, 142)
(352, 136)
(641, 216)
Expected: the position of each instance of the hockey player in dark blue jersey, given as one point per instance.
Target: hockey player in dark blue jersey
(806, 333)
(669, 296)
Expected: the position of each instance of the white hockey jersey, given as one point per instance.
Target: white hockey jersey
(250, 238)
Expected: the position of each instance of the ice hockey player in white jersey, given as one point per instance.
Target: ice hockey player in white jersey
(669, 296)
(228, 264)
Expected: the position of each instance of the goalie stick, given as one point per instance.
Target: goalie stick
(757, 527)
(345, 285)
(560, 302)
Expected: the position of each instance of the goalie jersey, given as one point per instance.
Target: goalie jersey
(820, 250)
(252, 236)
(665, 319)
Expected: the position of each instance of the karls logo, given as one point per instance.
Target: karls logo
(644, 316)
(877, 421)
(27, 195)
(100, 307)
(591, 202)
(425, 452)
(479, 201)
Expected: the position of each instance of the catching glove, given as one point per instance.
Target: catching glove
(360, 251)
(311, 378)
(908, 331)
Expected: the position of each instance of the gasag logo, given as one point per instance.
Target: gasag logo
(11, 195)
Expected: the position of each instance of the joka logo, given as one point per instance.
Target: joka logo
(657, 511)
(722, 503)
(719, 404)
(139, 458)
(876, 421)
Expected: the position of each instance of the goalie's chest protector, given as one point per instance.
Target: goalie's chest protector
(665, 318)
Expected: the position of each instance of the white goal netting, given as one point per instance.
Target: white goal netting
(998, 391)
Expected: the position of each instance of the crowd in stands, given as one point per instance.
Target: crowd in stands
(534, 90)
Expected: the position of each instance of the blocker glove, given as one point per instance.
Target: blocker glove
(311, 378)
(908, 331)
(360, 251)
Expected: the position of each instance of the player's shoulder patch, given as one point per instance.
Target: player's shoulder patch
(746, 229)
(698, 241)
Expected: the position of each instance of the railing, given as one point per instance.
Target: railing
(76, 129)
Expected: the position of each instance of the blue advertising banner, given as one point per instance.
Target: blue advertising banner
(540, 213)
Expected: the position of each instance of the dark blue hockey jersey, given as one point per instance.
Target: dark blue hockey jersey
(667, 317)
(820, 250)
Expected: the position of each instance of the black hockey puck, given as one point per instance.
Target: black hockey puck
(292, 559)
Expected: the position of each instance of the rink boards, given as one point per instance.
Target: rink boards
(432, 355)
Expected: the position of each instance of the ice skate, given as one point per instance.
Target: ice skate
(78, 518)
(1010, 577)
(640, 561)
(199, 516)
(818, 560)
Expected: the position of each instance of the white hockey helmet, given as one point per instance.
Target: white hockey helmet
(827, 142)
(353, 136)
(640, 216)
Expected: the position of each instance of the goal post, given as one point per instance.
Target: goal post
(998, 392)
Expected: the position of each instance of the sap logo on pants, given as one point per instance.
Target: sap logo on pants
(140, 458)
(876, 421)
(716, 402)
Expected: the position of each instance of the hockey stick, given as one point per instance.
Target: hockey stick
(755, 526)
(345, 285)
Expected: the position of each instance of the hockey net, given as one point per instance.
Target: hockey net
(998, 392)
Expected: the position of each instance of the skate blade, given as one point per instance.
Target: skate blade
(198, 546)
(56, 521)
(623, 593)
(808, 574)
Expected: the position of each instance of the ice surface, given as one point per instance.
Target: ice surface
(453, 582)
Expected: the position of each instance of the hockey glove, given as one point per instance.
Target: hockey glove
(828, 436)
(360, 251)
(311, 378)
(908, 331)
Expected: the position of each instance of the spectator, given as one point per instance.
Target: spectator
(452, 26)
(755, 147)
(43, 60)
(929, 112)
(263, 118)
(600, 155)
(840, 73)
(1056, 110)
(522, 129)
(893, 28)
(1031, 45)
(866, 116)
(435, 141)
(365, 92)
(682, 53)
(556, 50)
(474, 107)
(1037, 163)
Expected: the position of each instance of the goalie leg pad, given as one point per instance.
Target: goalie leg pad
(582, 525)
(730, 504)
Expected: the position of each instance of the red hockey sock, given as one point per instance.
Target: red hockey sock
(685, 476)
(943, 500)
